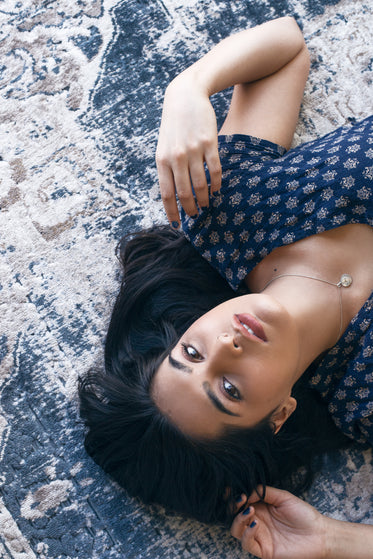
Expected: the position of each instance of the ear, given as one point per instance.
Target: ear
(283, 412)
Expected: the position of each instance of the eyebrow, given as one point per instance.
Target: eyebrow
(206, 386)
(217, 403)
(178, 365)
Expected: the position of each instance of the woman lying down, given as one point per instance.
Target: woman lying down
(241, 348)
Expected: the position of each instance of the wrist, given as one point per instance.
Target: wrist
(189, 81)
(347, 540)
(338, 539)
(327, 528)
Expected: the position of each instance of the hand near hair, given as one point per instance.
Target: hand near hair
(281, 527)
(187, 139)
(285, 527)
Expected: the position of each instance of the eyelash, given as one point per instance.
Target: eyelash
(235, 398)
(185, 347)
(224, 380)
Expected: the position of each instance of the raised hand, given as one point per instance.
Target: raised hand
(187, 140)
(188, 132)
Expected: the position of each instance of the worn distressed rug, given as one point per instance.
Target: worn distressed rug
(81, 85)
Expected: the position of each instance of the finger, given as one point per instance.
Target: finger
(167, 188)
(214, 166)
(250, 539)
(184, 189)
(256, 495)
(240, 502)
(242, 521)
(273, 496)
(199, 181)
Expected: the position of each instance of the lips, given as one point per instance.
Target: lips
(249, 327)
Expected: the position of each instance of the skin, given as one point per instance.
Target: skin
(249, 376)
(268, 66)
(265, 102)
(285, 527)
(252, 375)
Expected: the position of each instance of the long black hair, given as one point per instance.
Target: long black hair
(166, 286)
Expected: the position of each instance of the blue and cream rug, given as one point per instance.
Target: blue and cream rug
(81, 85)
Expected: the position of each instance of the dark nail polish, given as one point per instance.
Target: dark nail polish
(203, 208)
(216, 193)
(247, 511)
(175, 224)
(239, 498)
(194, 216)
(252, 524)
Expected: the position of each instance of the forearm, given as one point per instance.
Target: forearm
(247, 56)
(345, 540)
(188, 135)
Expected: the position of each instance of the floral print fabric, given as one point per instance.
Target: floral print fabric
(270, 198)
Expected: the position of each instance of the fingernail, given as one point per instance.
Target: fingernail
(203, 208)
(239, 498)
(216, 193)
(252, 524)
(194, 216)
(247, 511)
(175, 224)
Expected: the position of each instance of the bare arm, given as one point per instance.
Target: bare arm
(248, 56)
(285, 527)
(348, 541)
(260, 58)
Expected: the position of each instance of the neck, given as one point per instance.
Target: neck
(315, 307)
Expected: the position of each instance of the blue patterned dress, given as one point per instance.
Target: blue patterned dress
(270, 198)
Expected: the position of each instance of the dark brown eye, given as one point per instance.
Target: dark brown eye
(231, 390)
(191, 352)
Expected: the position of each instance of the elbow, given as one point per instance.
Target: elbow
(304, 58)
(296, 37)
(305, 54)
(294, 33)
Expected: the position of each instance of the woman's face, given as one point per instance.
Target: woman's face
(234, 366)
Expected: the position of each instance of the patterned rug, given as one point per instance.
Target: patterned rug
(81, 86)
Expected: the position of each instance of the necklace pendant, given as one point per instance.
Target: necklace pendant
(345, 281)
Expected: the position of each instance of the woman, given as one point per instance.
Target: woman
(206, 394)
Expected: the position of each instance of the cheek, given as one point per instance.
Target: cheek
(269, 379)
(285, 351)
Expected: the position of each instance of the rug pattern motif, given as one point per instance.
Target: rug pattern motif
(81, 87)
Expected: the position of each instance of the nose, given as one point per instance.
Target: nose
(227, 342)
(223, 353)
